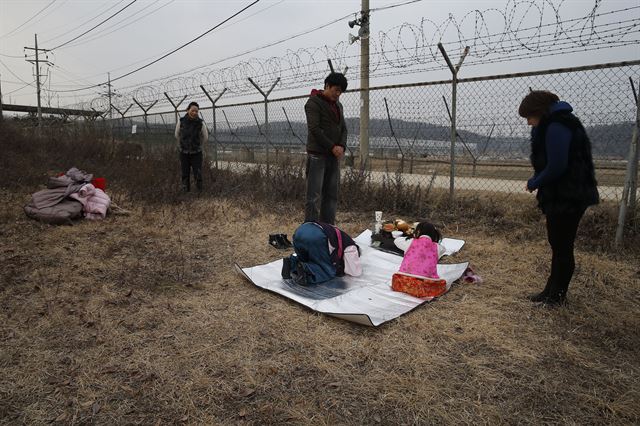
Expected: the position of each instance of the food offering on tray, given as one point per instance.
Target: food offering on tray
(403, 226)
(390, 230)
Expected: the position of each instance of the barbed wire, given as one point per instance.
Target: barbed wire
(528, 29)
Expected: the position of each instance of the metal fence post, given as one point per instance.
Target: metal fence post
(266, 115)
(630, 180)
(215, 128)
(633, 187)
(175, 105)
(146, 111)
(454, 89)
(122, 114)
(97, 114)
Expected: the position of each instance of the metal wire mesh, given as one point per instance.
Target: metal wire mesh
(410, 128)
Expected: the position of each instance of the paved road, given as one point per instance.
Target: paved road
(611, 193)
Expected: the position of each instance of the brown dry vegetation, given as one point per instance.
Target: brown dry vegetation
(141, 319)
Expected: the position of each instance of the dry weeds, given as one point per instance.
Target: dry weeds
(141, 320)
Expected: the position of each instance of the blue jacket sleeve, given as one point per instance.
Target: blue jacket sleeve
(557, 141)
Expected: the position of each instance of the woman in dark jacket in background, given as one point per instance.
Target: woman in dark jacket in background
(564, 178)
(192, 135)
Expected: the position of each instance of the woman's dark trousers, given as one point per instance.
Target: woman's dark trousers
(191, 162)
(561, 233)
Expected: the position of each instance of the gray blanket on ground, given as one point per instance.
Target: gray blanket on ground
(60, 214)
(51, 205)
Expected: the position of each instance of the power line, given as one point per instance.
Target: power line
(102, 33)
(28, 20)
(172, 52)
(83, 23)
(393, 6)
(418, 46)
(253, 50)
(567, 46)
(94, 27)
(189, 42)
(283, 40)
(70, 74)
(246, 52)
(115, 27)
(226, 26)
(569, 36)
(10, 82)
(18, 89)
(12, 56)
(12, 73)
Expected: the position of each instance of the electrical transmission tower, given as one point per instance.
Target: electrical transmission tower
(37, 61)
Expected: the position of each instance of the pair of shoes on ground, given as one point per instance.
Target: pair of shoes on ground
(545, 300)
(279, 241)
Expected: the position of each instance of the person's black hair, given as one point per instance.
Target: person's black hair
(426, 228)
(336, 79)
(195, 104)
(537, 103)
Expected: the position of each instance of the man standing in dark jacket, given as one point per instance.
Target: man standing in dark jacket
(192, 135)
(564, 178)
(326, 143)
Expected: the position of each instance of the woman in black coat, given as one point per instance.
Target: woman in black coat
(564, 179)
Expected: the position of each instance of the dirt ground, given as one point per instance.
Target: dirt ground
(141, 319)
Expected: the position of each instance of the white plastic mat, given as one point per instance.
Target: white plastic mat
(367, 299)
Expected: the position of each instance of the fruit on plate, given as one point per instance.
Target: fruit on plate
(388, 227)
(401, 225)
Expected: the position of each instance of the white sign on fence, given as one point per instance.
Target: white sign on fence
(134, 129)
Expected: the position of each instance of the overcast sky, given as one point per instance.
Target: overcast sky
(163, 25)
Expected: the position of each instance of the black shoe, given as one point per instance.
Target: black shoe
(275, 242)
(279, 241)
(537, 297)
(284, 240)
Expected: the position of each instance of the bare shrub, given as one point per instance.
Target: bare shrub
(151, 175)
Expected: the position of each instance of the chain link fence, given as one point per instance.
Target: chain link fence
(410, 128)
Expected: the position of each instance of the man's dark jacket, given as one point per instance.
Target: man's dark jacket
(325, 125)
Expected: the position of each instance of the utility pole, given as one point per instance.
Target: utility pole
(364, 85)
(37, 63)
(363, 36)
(110, 107)
(109, 94)
(1, 116)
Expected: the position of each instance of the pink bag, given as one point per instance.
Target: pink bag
(421, 258)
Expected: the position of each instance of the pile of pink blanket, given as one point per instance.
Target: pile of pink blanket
(95, 202)
(67, 197)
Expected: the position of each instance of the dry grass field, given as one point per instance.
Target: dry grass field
(141, 319)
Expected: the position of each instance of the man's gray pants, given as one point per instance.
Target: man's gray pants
(323, 180)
